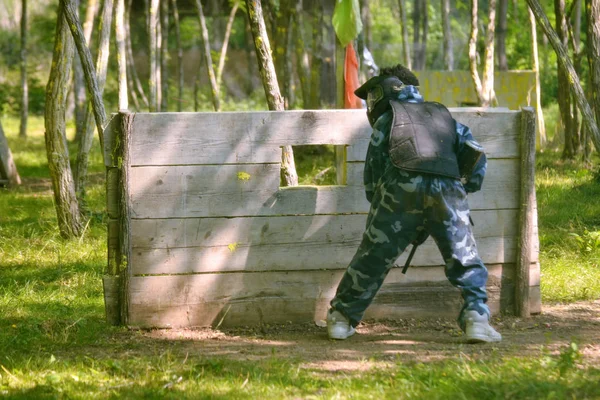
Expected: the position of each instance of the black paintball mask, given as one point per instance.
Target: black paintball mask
(378, 91)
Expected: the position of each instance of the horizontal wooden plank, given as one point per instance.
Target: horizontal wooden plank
(275, 297)
(170, 246)
(256, 137)
(194, 180)
(247, 231)
(291, 257)
(185, 191)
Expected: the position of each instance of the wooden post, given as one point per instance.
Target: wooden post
(340, 151)
(116, 280)
(527, 211)
(125, 215)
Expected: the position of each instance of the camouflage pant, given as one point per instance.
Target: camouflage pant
(404, 204)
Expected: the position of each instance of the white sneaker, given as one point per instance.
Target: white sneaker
(478, 328)
(338, 326)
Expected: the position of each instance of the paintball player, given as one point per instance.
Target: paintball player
(419, 167)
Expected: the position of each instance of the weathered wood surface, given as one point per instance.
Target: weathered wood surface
(291, 257)
(214, 235)
(194, 232)
(171, 246)
(272, 297)
(528, 211)
(257, 137)
(232, 190)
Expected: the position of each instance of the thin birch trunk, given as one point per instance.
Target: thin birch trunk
(303, 65)
(65, 201)
(121, 54)
(541, 126)
(564, 96)
(179, 55)
(223, 54)
(316, 59)
(501, 35)
(473, 53)
(288, 69)
(164, 55)
(152, 45)
(136, 82)
(425, 35)
(448, 45)
(269, 79)
(208, 58)
(565, 62)
(405, 46)
(95, 79)
(24, 88)
(593, 52)
(488, 67)
(79, 80)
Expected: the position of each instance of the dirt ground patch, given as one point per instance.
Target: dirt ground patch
(382, 343)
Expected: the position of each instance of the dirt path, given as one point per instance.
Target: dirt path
(383, 342)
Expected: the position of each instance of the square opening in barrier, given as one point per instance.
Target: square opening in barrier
(315, 165)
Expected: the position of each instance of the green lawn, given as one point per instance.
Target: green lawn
(54, 342)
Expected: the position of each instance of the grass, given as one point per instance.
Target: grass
(54, 342)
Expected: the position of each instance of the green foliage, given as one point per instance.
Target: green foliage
(568, 208)
(588, 241)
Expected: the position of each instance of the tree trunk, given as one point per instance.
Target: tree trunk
(179, 55)
(564, 97)
(8, 169)
(593, 52)
(79, 80)
(501, 35)
(121, 54)
(541, 126)
(473, 52)
(24, 88)
(303, 65)
(133, 76)
(152, 46)
(425, 35)
(485, 88)
(67, 208)
(223, 55)
(365, 14)
(405, 46)
(488, 67)
(288, 68)
(316, 61)
(416, 20)
(164, 55)
(420, 31)
(448, 45)
(575, 35)
(208, 58)
(269, 79)
(565, 62)
(95, 82)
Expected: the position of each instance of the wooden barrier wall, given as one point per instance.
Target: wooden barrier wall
(201, 233)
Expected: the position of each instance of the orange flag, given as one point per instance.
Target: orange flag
(351, 79)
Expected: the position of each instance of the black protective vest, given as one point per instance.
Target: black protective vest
(423, 138)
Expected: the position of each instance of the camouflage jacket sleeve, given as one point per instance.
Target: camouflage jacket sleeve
(377, 159)
(474, 184)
